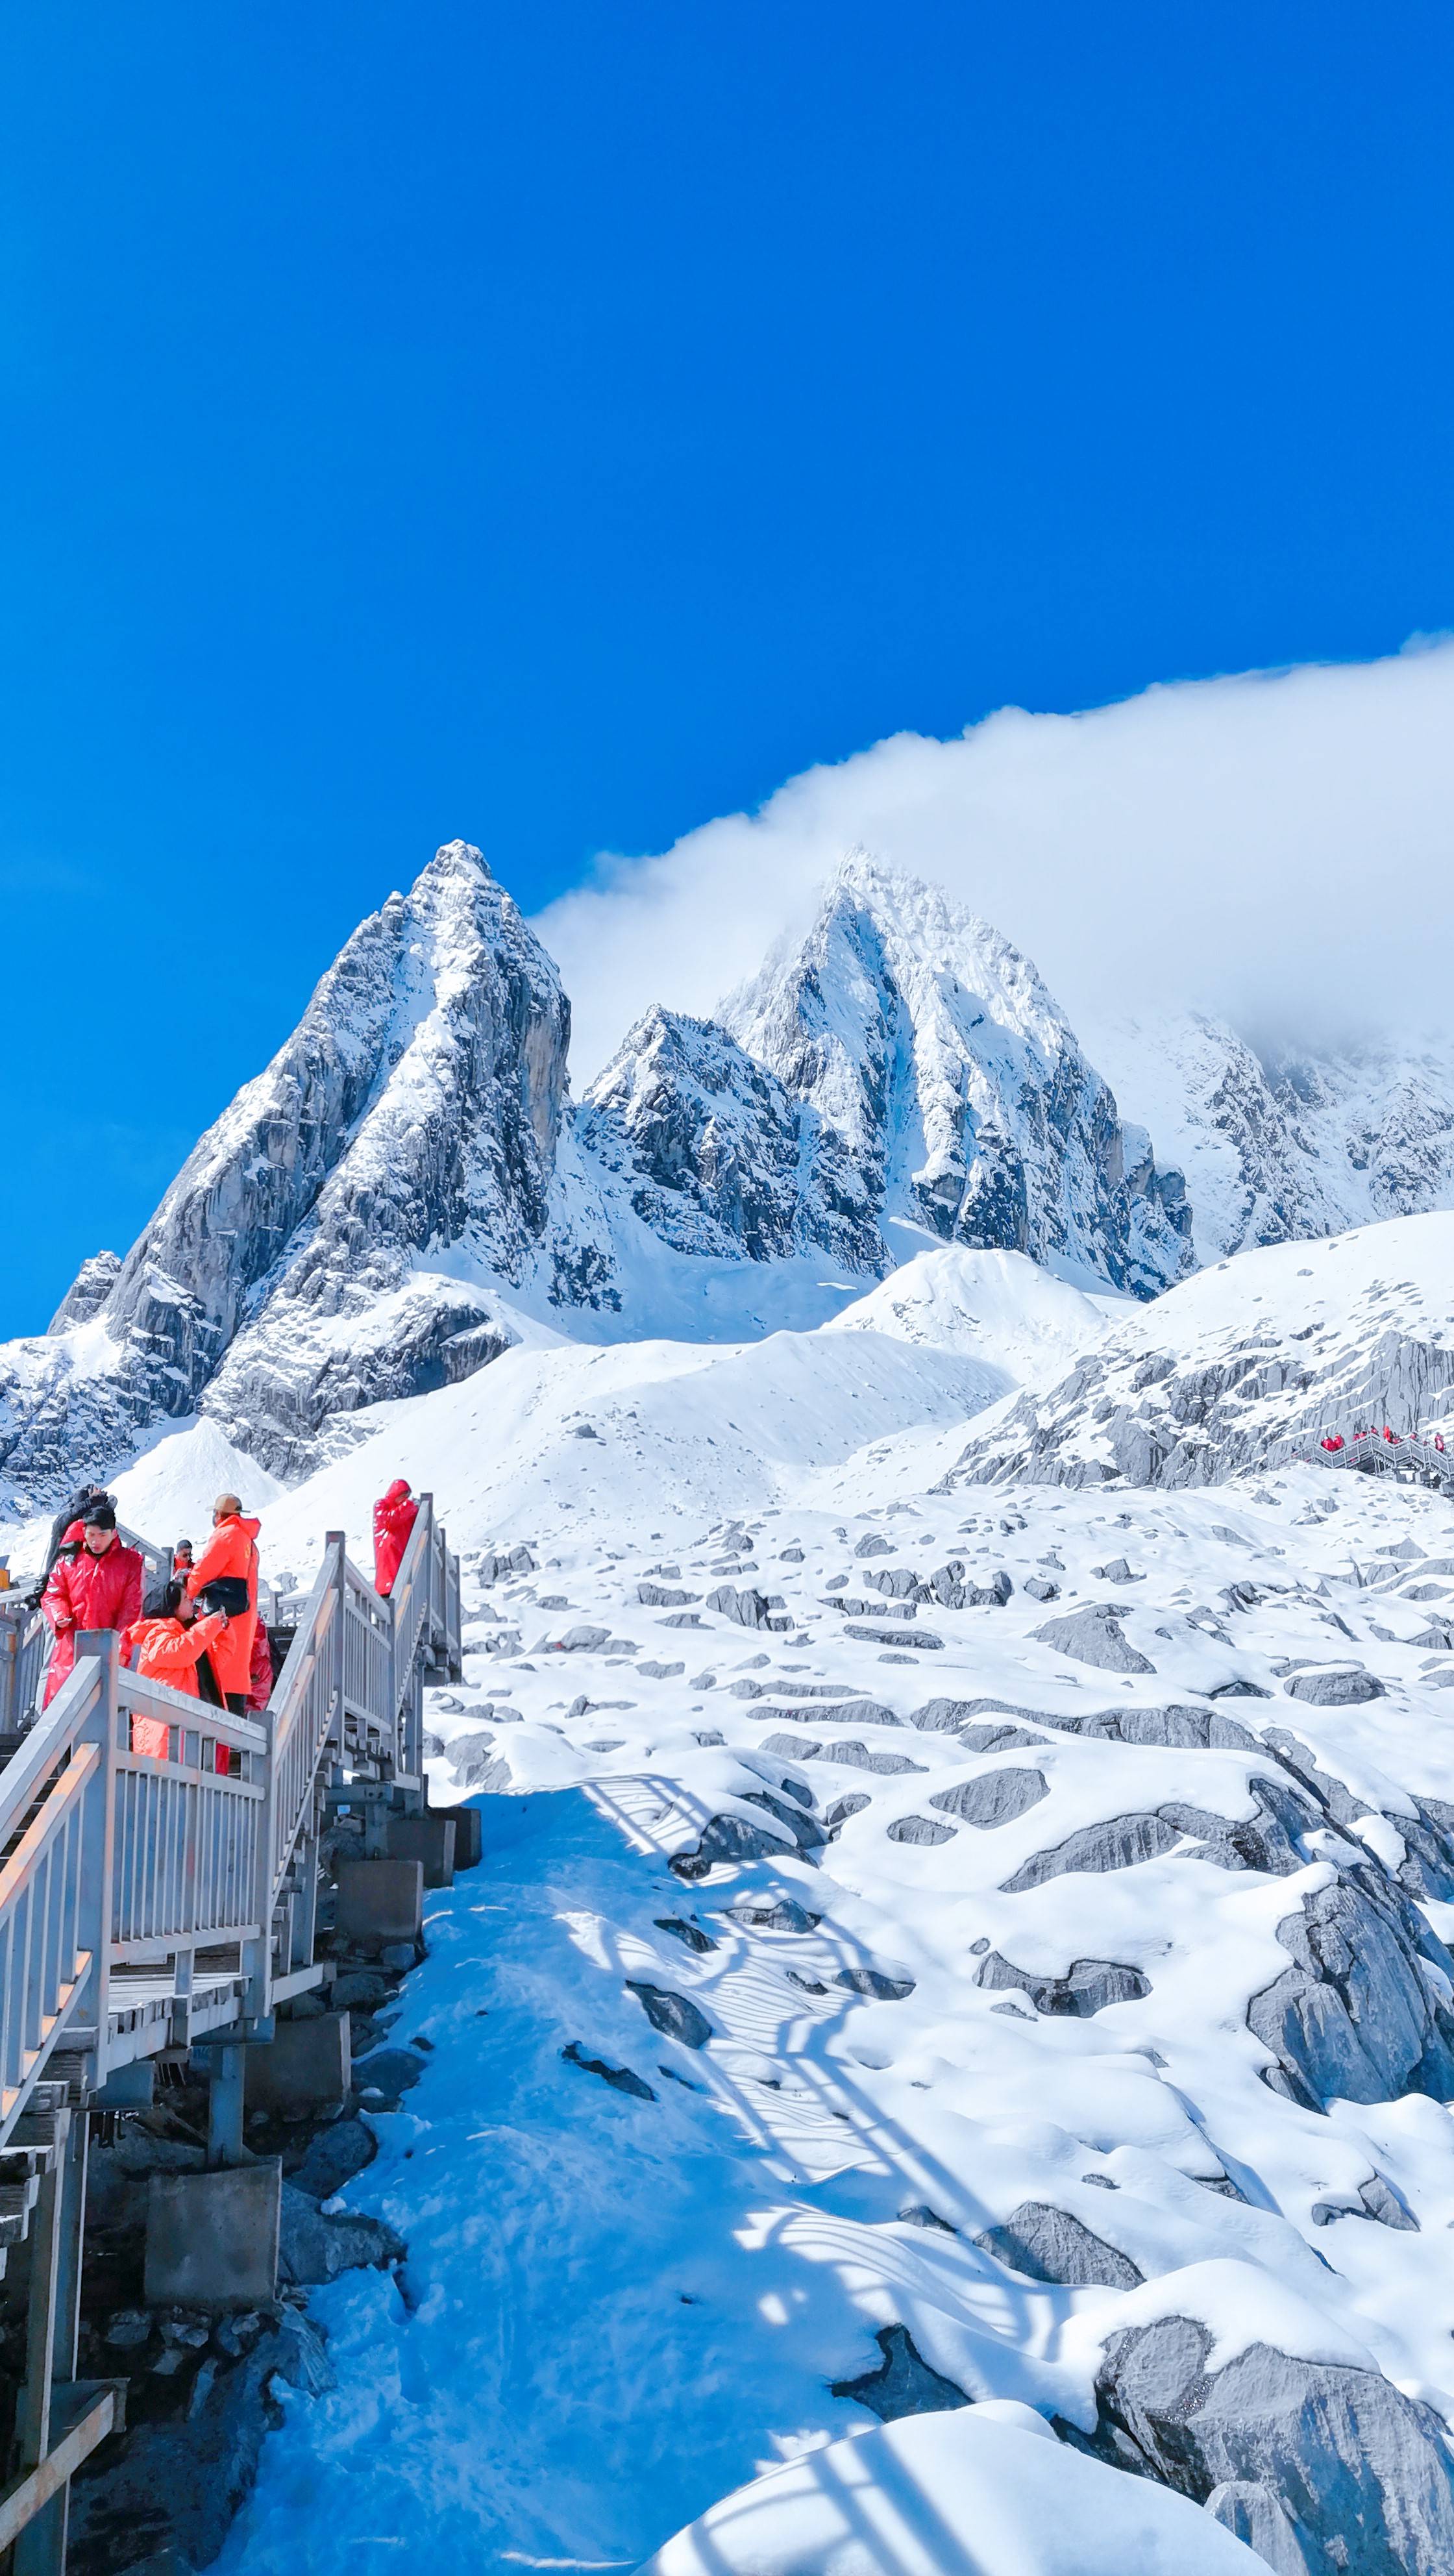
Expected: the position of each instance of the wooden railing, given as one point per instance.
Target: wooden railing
(144, 1895)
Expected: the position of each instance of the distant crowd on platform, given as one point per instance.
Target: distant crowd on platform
(200, 1630)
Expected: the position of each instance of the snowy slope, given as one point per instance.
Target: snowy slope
(1026, 1955)
(1246, 1363)
(1303, 1144)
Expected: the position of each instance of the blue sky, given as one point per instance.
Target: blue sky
(560, 425)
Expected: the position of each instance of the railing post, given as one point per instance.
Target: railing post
(336, 1541)
(98, 1839)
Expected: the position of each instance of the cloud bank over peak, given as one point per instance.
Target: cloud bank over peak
(1273, 847)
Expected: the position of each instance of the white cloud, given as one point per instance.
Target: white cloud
(1275, 847)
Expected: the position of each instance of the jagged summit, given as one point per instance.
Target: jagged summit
(286, 1274)
(948, 1091)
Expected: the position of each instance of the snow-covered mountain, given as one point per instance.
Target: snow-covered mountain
(406, 1191)
(942, 1089)
(1294, 1145)
(325, 1243)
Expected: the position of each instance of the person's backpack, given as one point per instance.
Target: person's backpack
(226, 1592)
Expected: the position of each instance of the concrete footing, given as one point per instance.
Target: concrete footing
(303, 2071)
(431, 1840)
(212, 2238)
(380, 1902)
(468, 1837)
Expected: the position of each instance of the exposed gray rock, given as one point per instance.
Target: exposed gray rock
(873, 1545)
(1265, 1842)
(1093, 1636)
(869, 1757)
(942, 1716)
(312, 2248)
(919, 1829)
(992, 1797)
(87, 1293)
(662, 1596)
(1361, 2472)
(622, 2079)
(674, 2015)
(1039, 1588)
(835, 1712)
(903, 2384)
(1336, 1686)
(748, 1608)
(1179, 1730)
(1118, 1571)
(1088, 1986)
(793, 1748)
(469, 1756)
(998, 1739)
(917, 1637)
(899, 1583)
(989, 1596)
(1047, 2244)
(334, 2155)
(1254, 2514)
(872, 1982)
(690, 1935)
(1119, 1843)
(732, 1838)
(842, 1808)
(1428, 1865)
(390, 2071)
(1375, 2199)
(173, 2486)
(805, 1832)
(775, 1914)
(1353, 2017)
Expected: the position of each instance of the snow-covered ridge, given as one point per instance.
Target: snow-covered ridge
(407, 1191)
(1243, 1365)
(1303, 1144)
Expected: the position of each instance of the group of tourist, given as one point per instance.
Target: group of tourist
(200, 1630)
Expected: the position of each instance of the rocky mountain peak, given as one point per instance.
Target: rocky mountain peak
(288, 1273)
(948, 1090)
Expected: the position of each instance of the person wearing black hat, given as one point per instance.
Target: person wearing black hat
(100, 1587)
(74, 1511)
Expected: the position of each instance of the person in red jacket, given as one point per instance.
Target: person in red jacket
(229, 1560)
(170, 1648)
(99, 1587)
(395, 1514)
(260, 1674)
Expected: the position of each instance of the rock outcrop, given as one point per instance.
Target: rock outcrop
(1225, 1374)
(1315, 2465)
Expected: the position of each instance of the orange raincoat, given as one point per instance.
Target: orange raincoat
(232, 1549)
(164, 1650)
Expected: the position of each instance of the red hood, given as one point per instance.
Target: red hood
(244, 1522)
(398, 1490)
